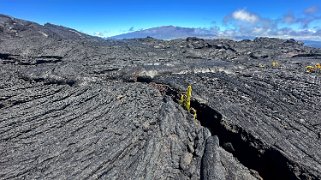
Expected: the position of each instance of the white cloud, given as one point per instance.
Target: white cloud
(243, 15)
(242, 23)
(289, 18)
(311, 10)
(258, 30)
(99, 34)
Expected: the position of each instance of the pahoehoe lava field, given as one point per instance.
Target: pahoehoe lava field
(74, 106)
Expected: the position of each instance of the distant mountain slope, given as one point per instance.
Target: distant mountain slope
(168, 32)
(13, 27)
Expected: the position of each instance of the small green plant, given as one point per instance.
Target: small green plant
(185, 101)
(188, 98)
(275, 64)
(181, 100)
(313, 69)
(310, 69)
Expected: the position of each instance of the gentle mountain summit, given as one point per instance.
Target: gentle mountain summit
(168, 32)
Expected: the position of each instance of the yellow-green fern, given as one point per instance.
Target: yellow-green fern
(185, 101)
(275, 64)
(182, 100)
(188, 98)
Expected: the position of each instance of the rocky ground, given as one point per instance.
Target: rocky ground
(73, 106)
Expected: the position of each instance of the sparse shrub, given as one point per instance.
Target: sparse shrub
(313, 69)
(318, 66)
(275, 64)
(309, 69)
(182, 99)
(185, 101)
(188, 98)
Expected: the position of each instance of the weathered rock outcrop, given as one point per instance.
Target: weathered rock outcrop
(74, 106)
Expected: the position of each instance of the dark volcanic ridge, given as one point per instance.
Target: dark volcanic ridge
(73, 106)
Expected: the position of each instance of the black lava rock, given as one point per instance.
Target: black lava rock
(73, 106)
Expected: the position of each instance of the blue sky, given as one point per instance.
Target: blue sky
(275, 18)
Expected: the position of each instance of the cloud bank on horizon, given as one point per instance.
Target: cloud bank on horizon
(245, 23)
(242, 23)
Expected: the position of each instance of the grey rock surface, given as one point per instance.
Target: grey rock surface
(215, 161)
(109, 131)
(273, 113)
(73, 106)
